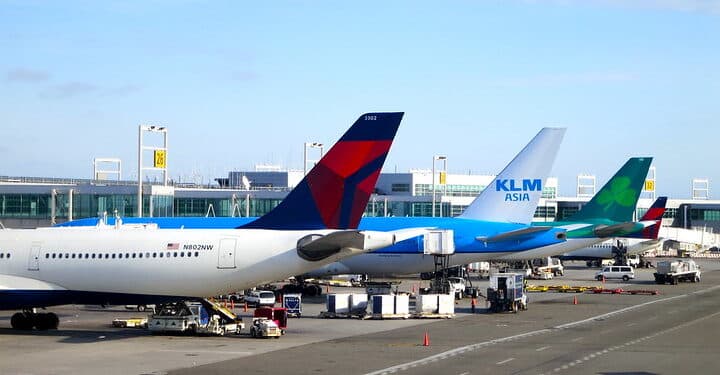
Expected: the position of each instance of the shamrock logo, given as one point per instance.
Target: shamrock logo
(619, 193)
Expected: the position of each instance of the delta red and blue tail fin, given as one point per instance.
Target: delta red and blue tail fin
(336, 191)
(654, 213)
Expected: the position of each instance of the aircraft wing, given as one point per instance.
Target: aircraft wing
(517, 234)
(345, 243)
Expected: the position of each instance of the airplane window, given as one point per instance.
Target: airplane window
(93, 256)
(161, 255)
(107, 256)
(53, 256)
(87, 255)
(140, 255)
(182, 254)
(67, 256)
(127, 255)
(8, 256)
(113, 256)
(147, 255)
(197, 254)
(168, 254)
(2, 255)
(175, 254)
(47, 256)
(133, 256)
(73, 255)
(154, 255)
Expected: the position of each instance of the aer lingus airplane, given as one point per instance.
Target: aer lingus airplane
(312, 227)
(631, 244)
(496, 223)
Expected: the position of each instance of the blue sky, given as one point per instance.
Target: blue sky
(243, 83)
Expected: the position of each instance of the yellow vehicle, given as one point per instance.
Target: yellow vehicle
(131, 322)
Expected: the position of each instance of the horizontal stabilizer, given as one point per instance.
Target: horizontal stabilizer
(514, 234)
(618, 230)
(353, 242)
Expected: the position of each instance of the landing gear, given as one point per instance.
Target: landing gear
(28, 319)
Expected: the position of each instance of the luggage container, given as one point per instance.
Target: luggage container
(293, 304)
(387, 306)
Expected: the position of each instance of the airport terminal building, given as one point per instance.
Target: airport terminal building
(29, 202)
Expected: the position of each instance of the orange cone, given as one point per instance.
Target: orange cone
(426, 339)
(575, 302)
(232, 304)
(245, 307)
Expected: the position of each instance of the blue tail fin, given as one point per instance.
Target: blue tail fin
(336, 191)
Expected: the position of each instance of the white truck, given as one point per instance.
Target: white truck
(201, 317)
(548, 265)
(677, 270)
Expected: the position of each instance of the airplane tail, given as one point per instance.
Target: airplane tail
(336, 191)
(618, 197)
(654, 213)
(514, 194)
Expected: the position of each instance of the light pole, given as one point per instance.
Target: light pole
(159, 159)
(436, 158)
(305, 152)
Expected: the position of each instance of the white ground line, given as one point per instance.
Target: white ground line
(541, 349)
(436, 357)
(505, 361)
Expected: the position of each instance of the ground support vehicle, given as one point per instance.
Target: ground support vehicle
(264, 327)
(677, 270)
(548, 265)
(257, 298)
(507, 292)
(195, 317)
(130, 323)
(279, 315)
(615, 272)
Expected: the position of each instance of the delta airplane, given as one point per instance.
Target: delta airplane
(636, 243)
(608, 214)
(140, 264)
(497, 222)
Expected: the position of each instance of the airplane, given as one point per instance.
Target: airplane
(141, 264)
(608, 214)
(500, 222)
(632, 244)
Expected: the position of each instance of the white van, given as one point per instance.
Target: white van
(616, 272)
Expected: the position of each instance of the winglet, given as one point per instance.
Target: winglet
(514, 194)
(617, 199)
(336, 191)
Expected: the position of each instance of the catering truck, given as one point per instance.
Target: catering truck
(672, 271)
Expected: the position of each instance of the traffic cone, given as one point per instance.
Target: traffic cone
(413, 290)
(575, 301)
(426, 339)
(245, 307)
(232, 304)
(327, 289)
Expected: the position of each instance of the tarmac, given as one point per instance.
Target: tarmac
(668, 333)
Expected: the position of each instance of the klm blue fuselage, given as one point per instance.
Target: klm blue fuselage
(468, 233)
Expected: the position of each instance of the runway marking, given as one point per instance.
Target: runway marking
(471, 347)
(203, 351)
(541, 349)
(505, 361)
(633, 342)
(576, 339)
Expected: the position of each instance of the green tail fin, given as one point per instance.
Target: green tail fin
(618, 197)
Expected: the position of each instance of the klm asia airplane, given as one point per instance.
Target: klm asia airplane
(497, 222)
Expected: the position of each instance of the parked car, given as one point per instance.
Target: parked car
(260, 298)
(140, 308)
(616, 272)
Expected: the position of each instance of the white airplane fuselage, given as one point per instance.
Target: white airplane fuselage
(148, 261)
